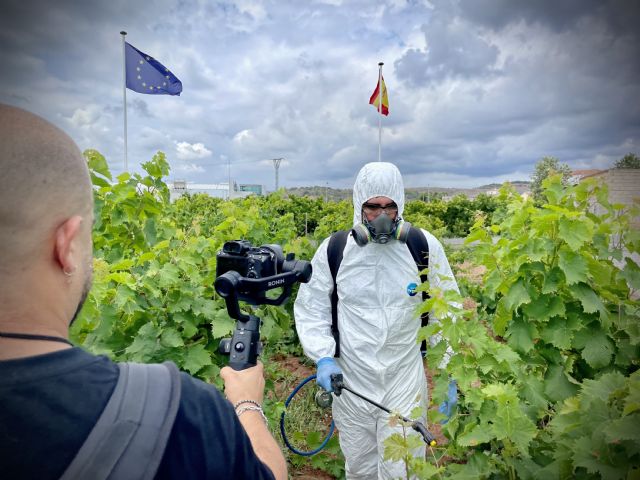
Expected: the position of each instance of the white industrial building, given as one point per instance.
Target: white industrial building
(178, 188)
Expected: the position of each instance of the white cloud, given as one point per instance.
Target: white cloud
(191, 151)
(188, 168)
(85, 117)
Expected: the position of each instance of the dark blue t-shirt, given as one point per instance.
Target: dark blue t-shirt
(49, 404)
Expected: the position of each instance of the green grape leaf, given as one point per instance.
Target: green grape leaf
(631, 273)
(422, 469)
(517, 295)
(632, 402)
(123, 177)
(524, 431)
(474, 435)
(623, 429)
(124, 278)
(205, 307)
(601, 388)
(222, 325)
(171, 338)
(125, 300)
(144, 344)
(560, 331)
(552, 281)
(395, 447)
(503, 353)
(576, 232)
(188, 329)
(509, 421)
(521, 334)
(553, 189)
(124, 264)
(599, 349)
(573, 265)
(168, 275)
(196, 358)
(150, 232)
(97, 163)
(533, 392)
(588, 298)
(544, 307)
(501, 318)
(557, 385)
(477, 467)
(591, 453)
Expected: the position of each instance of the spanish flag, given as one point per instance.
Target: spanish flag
(375, 98)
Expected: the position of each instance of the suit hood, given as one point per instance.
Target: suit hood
(377, 179)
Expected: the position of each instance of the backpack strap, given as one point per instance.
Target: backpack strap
(129, 439)
(335, 250)
(419, 248)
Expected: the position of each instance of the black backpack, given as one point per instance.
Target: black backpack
(419, 248)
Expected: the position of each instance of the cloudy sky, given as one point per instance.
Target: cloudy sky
(479, 90)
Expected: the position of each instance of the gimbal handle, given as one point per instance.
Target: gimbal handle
(245, 346)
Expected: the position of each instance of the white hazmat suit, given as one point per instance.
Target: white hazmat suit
(379, 354)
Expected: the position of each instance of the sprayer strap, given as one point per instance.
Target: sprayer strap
(335, 250)
(419, 248)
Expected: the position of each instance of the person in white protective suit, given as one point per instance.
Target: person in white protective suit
(378, 323)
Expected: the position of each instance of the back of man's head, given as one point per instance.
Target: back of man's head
(44, 180)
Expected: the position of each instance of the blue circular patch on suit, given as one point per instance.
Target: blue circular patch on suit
(411, 289)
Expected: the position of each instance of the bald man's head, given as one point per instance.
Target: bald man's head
(44, 181)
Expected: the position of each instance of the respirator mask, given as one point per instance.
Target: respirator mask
(381, 230)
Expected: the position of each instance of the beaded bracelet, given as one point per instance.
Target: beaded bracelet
(251, 408)
(240, 402)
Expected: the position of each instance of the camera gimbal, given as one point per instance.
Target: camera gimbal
(245, 346)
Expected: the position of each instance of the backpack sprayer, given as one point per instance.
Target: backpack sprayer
(245, 273)
(324, 400)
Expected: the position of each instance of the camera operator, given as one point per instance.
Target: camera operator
(51, 393)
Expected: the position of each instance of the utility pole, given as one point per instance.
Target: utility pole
(326, 193)
(276, 165)
(229, 173)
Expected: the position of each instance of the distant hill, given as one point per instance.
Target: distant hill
(337, 194)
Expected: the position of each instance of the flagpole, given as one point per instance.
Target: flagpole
(124, 96)
(380, 111)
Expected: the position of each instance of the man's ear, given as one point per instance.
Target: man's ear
(66, 244)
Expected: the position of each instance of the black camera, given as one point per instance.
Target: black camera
(245, 272)
(249, 261)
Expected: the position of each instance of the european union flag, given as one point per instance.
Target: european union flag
(147, 75)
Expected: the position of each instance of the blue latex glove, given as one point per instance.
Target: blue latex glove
(327, 366)
(448, 407)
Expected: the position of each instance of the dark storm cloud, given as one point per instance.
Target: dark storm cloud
(550, 78)
(478, 89)
(452, 51)
(557, 15)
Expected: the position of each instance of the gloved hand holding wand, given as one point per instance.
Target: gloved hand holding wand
(327, 366)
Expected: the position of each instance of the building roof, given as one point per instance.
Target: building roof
(587, 173)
